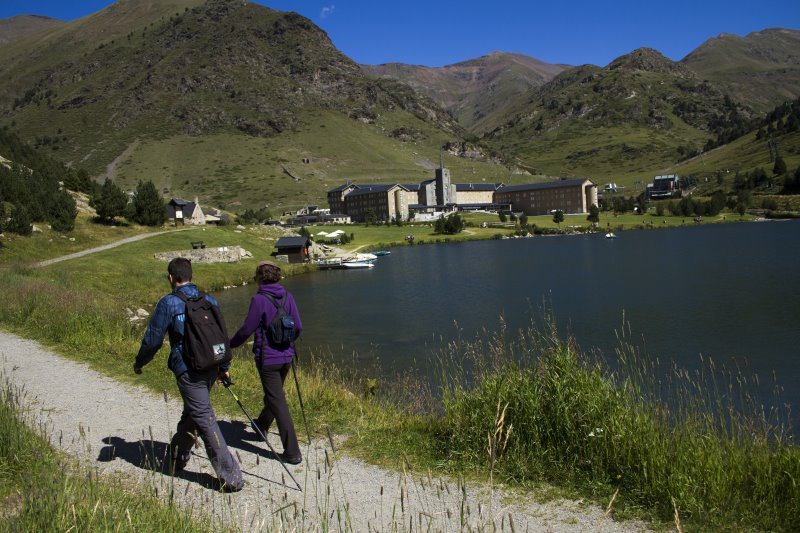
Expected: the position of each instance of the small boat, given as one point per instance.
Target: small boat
(610, 235)
(357, 264)
(380, 253)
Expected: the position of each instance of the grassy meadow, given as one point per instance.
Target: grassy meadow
(235, 171)
(535, 411)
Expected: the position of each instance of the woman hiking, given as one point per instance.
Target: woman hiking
(273, 358)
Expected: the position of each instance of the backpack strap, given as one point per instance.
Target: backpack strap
(274, 301)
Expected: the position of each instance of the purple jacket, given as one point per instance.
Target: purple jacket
(261, 313)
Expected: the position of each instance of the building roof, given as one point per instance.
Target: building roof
(548, 185)
(374, 188)
(291, 242)
(187, 208)
(666, 177)
(343, 186)
(480, 187)
(411, 186)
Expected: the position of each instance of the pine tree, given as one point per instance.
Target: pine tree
(780, 166)
(109, 202)
(20, 222)
(594, 214)
(558, 217)
(61, 212)
(147, 207)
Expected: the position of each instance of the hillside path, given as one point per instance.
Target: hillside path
(118, 428)
(108, 246)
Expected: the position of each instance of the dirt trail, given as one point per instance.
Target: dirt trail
(120, 428)
(104, 247)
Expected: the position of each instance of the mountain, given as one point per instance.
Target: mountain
(474, 91)
(228, 98)
(621, 123)
(15, 28)
(761, 69)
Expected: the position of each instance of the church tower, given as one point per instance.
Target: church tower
(445, 191)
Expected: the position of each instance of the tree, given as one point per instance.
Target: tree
(61, 212)
(594, 214)
(449, 225)
(523, 220)
(2, 216)
(109, 202)
(503, 217)
(780, 166)
(147, 207)
(558, 217)
(660, 209)
(20, 222)
(370, 217)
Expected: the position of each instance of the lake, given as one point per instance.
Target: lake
(730, 292)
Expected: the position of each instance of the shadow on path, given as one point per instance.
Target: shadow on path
(150, 455)
(153, 455)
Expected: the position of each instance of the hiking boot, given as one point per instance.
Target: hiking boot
(290, 460)
(176, 462)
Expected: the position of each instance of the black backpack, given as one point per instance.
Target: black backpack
(281, 331)
(205, 338)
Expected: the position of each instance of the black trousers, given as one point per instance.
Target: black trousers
(275, 408)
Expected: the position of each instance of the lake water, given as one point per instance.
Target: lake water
(730, 292)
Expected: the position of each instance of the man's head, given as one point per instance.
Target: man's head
(179, 271)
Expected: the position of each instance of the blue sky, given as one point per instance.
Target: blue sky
(437, 33)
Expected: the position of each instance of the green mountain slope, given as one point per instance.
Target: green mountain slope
(16, 28)
(220, 70)
(620, 123)
(474, 91)
(761, 69)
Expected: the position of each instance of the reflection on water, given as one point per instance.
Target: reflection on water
(729, 292)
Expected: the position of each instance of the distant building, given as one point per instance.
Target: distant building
(667, 186)
(476, 193)
(385, 201)
(569, 196)
(294, 248)
(336, 196)
(184, 212)
(434, 197)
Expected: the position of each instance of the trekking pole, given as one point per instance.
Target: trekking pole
(227, 384)
(300, 397)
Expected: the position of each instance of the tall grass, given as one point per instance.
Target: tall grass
(523, 408)
(42, 490)
(681, 445)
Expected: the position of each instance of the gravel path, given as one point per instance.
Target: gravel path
(103, 247)
(119, 429)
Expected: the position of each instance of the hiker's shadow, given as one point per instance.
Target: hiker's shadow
(236, 436)
(150, 455)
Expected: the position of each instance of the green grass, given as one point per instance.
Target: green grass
(536, 410)
(742, 155)
(236, 171)
(48, 243)
(721, 467)
(43, 490)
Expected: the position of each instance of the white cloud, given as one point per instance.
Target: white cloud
(327, 11)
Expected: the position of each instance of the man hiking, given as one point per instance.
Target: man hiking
(198, 416)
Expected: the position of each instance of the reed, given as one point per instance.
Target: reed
(681, 442)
